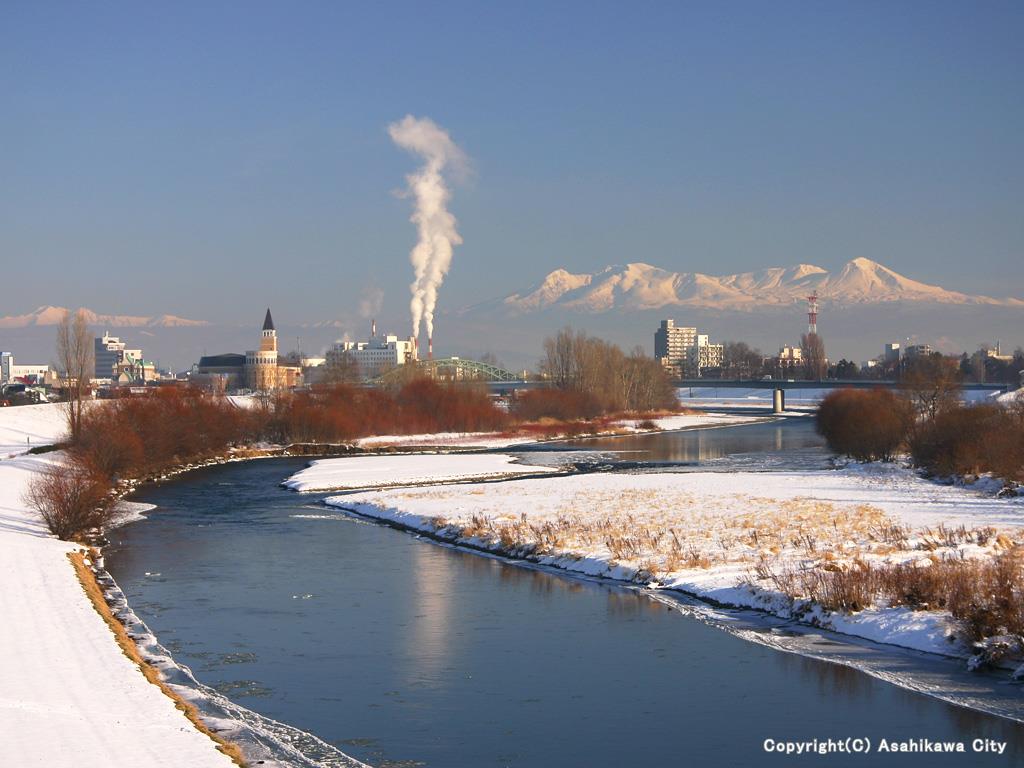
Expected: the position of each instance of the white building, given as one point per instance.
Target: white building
(686, 351)
(11, 372)
(671, 342)
(373, 357)
(703, 354)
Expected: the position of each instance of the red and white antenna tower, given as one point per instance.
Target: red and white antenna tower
(812, 313)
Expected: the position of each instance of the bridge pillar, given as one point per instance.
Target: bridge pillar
(778, 400)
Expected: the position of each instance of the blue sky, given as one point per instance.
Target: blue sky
(208, 159)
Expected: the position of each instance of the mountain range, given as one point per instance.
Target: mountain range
(863, 305)
(48, 315)
(637, 286)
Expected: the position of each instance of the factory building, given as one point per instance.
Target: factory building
(374, 357)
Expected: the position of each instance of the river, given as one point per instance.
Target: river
(402, 652)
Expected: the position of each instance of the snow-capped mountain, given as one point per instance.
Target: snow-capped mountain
(637, 286)
(49, 315)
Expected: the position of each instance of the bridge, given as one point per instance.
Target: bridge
(454, 369)
(823, 384)
(779, 386)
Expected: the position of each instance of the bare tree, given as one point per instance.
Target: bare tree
(932, 383)
(812, 348)
(577, 362)
(741, 361)
(342, 370)
(75, 358)
(558, 361)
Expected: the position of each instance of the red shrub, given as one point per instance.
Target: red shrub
(868, 425)
(138, 435)
(342, 412)
(560, 404)
(970, 440)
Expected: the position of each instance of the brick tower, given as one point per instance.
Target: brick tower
(261, 365)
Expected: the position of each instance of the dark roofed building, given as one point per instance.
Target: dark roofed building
(219, 372)
(260, 369)
(227, 360)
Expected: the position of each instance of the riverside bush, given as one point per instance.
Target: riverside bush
(135, 436)
(971, 439)
(343, 412)
(867, 425)
(71, 500)
(559, 404)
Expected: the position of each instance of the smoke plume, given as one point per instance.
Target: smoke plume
(432, 255)
(369, 306)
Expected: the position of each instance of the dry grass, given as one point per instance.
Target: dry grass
(128, 647)
(986, 594)
(669, 531)
(840, 557)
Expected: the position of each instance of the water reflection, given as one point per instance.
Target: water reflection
(432, 591)
(790, 443)
(410, 651)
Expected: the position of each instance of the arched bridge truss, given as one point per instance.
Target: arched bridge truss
(452, 369)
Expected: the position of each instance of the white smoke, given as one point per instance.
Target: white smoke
(369, 306)
(432, 255)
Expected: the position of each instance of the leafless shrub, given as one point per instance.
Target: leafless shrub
(961, 440)
(71, 500)
(867, 425)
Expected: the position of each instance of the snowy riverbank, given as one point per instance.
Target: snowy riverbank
(497, 440)
(355, 472)
(706, 533)
(68, 695)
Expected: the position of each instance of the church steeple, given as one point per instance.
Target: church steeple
(268, 322)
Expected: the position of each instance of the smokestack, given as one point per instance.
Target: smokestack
(430, 347)
(373, 328)
(431, 257)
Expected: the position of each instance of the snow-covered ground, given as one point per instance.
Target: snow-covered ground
(353, 472)
(28, 426)
(491, 440)
(690, 421)
(474, 440)
(68, 695)
(704, 532)
(1015, 396)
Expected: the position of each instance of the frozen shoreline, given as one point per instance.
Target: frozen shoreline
(497, 518)
(68, 694)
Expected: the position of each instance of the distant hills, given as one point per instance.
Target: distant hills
(863, 305)
(637, 286)
(49, 315)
